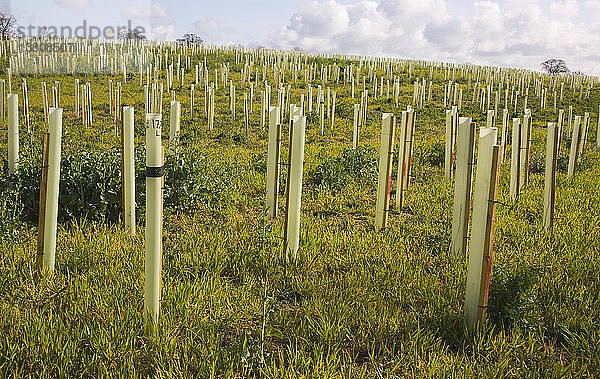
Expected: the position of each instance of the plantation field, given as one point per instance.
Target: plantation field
(357, 302)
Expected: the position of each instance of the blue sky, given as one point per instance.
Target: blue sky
(519, 33)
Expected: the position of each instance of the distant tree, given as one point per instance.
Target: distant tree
(134, 34)
(555, 66)
(7, 24)
(190, 39)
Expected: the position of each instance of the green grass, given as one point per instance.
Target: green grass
(357, 303)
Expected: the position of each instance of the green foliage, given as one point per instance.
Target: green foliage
(351, 165)
(562, 163)
(513, 297)
(259, 162)
(357, 303)
(193, 179)
(431, 154)
(90, 185)
(537, 162)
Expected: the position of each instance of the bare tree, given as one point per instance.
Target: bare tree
(7, 24)
(555, 66)
(134, 34)
(190, 38)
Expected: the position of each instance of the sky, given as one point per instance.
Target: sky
(511, 33)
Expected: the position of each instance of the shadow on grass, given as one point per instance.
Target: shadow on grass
(513, 296)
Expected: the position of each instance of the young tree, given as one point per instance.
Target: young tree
(134, 34)
(190, 38)
(555, 66)
(7, 24)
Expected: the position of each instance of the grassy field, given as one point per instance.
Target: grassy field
(357, 303)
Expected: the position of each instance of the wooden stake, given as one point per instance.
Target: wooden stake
(3, 98)
(174, 126)
(192, 96)
(42, 206)
(386, 154)
(570, 119)
(550, 174)
(561, 116)
(356, 133)
(515, 163)
(575, 141)
(449, 150)
(26, 106)
(322, 114)
(583, 133)
(525, 150)
(273, 162)
(482, 236)
(462, 186)
(246, 120)
(598, 131)
(503, 142)
(407, 127)
(333, 109)
(490, 118)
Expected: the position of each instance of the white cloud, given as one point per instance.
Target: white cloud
(77, 5)
(162, 33)
(136, 13)
(322, 19)
(210, 30)
(156, 20)
(519, 33)
(156, 13)
(206, 26)
(160, 14)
